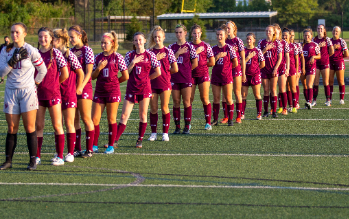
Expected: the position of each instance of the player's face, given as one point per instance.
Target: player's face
(220, 36)
(196, 34)
(106, 44)
(57, 43)
(336, 33)
(277, 32)
(180, 33)
(139, 41)
(17, 33)
(7, 40)
(307, 37)
(286, 36)
(45, 39)
(158, 37)
(269, 32)
(292, 37)
(250, 40)
(74, 38)
(321, 30)
(230, 28)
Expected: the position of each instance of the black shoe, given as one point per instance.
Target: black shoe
(139, 144)
(265, 114)
(177, 131)
(275, 115)
(186, 131)
(230, 122)
(87, 154)
(215, 122)
(78, 153)
(5, 166)
(31, 166)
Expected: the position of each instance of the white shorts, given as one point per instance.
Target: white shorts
(19, 101)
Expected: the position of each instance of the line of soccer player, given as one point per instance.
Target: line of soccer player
(154, 71)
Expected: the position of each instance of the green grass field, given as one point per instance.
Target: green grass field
(295, 166)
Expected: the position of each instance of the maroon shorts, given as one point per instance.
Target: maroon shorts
(322, 67)
(88, 94)
(180, 86)
(237, 71)
(200, 80)
(109, 99)
(282, 69)
(311, 71)
(252, 80)
(134, 98)
(337, 65)
(69, 103)
(159, 91)
(50, 103)
(221, 83)
(268, 76)
(292, 71)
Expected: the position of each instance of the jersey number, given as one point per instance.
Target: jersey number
(17, 65)
(106, 72)
(268, 54)
(180, 60)
(220, 61)
(249, 61)
(138, 70)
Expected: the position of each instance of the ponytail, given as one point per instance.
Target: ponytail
(63, 35)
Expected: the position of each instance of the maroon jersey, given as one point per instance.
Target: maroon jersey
(107, 81)
(252, 65)
(139, 82)
(325, 58)
(164, 80)
(202, 69)
(221, 71)
(293, 52)
(285, 49)
(300, 52)
(309, 50)
(86, 57)
(338, 53)
(271, 56)
(68, 87)
(238, 46)
(49, 88)
(184, 63)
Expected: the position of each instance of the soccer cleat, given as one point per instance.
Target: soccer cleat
(259, 117)
(189, 126)
(341, 102)
(95, 149)
(54, 158)
(109, 150)
(115, 145)
(284, 112)
(78, 153)
(275, 115)
(31, 166)
(208, 127)
(280, 110)
(58, 162)
(297, 106)
(5, 166)
(152, 137)
(238, 120)
(38, 160)
(224, 120)
(271, 111)
(230, 123)
(308, 105)
(313, 103)
(242, 116)
(265, 114)
(328, 103)
(69, 158)
(165, 137)
(294, 110)
(177, 131)
(215, 122)
(87, 154)
(106, 146)
(186, 131)
(139, 144)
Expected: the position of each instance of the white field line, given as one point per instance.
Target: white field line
(179, 186)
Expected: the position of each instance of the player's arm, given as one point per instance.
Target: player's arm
(4, 66)
(261, 64)
(39, 65)
(64, 74)
(79, 79)
(124, 76)
(296, 62)
(156, 73)
(123, 69)
(174, 68)
(194, 63)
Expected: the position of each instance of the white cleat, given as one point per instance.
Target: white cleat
(152, 137)
(69, 158)
(54, 158)
(165, 137)
(58, 162)
(328, 103)
(341, 102)
(37, 161)
(313, 103)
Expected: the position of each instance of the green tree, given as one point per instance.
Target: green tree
(197, 21)
(132, 28)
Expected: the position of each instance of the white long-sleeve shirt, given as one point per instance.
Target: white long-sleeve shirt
(22, 74)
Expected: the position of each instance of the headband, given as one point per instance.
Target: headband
(108, 37)
(75, 31)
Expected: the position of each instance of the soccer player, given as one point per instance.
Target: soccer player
(49, 93)
(182, 81)
(323, 64)
(17, 61)
(337, 65)
(299, 70)
(239, 71)
(78, 38)
(200, 74)
(222, 79)
(7, 42)
(272, 51)
(293, 70)
(284, 69)
(139, 63)
(311, 52)
(161, 86)
(254, 62)
(69, 88)
(107, 91)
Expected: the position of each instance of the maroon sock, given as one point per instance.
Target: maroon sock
(225, 110)
(289, 98)
(215, 111)
(271, 101)
(121, 128)
(89, 140)
(243, 107)
(154, 122)
(294, 99)
(96, 137)
(266, 103)
(78, 140)
(166, 122)
(331, 91)
(315, 92)
(341, 92)
(327, 92)
(284, 100)
(38, 152)
(280, 99)
(230, 112)
(259, 106)
(187, 116)
(297, 87)
(141, 130)
(274, 103)
(113, 130)
(60, 145)
(305, 93)
(71, 138)
(208, 111)
(310, 95)
(238, 110)
(177, 116)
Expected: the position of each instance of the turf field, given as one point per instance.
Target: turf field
(295, 166)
